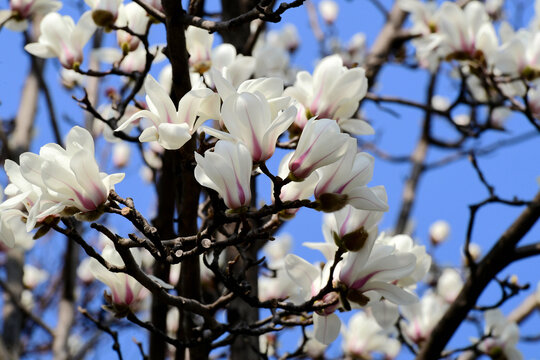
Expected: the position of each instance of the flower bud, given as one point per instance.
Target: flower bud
(329, 11)
(439, 231)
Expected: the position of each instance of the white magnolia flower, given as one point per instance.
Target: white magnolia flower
(104, 12)
(271, 58)
(354, 229)
(320, 144)
(236, 68)
(363, 336)
(248, 118)
(135, 18)
(504, 336)
(474, 250)
(271, 88)
(60, 181)
(332, 92)
(288, 36)
(134, 61)
(422, 317)
(61, 38)
(423, 16)
(295, 190)
(405, 244)
(329, 10)
(33, 276)
(16, 18)
(172, 128)
(199, 45)
(449, 285)
(465, 33)
(120, 154)
(376, 268)
(13, 230)
(345, 181)
(84, 272)
(310, 279)
(226, 170)
(71, 78)
(279, 286)
(439, 231)
(125, 290)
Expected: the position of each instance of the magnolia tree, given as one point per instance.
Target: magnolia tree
(231, 143)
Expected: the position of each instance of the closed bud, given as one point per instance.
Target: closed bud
(439, 231)
(329, 11)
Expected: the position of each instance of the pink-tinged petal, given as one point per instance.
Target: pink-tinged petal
(86, 171)
(161, 100)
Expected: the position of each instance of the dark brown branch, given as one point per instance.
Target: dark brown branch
(106, 329)
(496, 260)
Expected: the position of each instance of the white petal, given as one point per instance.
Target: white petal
(326, 328)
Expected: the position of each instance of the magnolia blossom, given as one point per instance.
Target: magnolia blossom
(16, 19)
(279, 286)
(172, 128)
(61, 38)
(363, 336)
(295, 190)
(248, 119)
(377, 268)
(121, 154)
(199, 46)
(465, 33)
(345, 182)
(135, 18)
(421, 318)
(329, 10)
(272, 57)
(332, 92)
(226, 170)
(503, 336)
(310, 279)
(351, 228)
(13, 230)
(236, 68)
(439, 231)
(104, 12)
(134, 61)
(33, 276)
(449, 285)
(405, 244)
(224, 59)
(125, 290)
(59, 181)
(320, 144)
(423, 16)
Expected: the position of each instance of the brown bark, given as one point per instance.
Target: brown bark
(238, 35)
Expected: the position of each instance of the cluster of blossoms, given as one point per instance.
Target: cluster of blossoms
(468, 35)
(58, 182)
